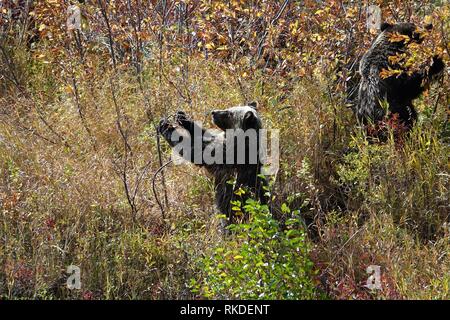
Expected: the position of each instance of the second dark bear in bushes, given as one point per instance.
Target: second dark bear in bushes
(392, 95)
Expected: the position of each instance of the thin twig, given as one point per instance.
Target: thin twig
(274, 20)
(163, 179)
(110, 36)
(163, 213)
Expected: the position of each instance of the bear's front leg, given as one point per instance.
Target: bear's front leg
(410, 87)
(185, 131)
(166, 129)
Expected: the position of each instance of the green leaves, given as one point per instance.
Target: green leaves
(260, 260)
(285, 208)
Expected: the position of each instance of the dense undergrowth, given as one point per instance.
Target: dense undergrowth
(78, 154)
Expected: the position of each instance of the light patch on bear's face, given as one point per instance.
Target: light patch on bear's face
(240, 117)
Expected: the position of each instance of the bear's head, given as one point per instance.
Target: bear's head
(410, 30)
(241, 117)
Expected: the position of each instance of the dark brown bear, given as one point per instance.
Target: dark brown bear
(398, 90)
(229, 176)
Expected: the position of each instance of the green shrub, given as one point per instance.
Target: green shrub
(259, 260)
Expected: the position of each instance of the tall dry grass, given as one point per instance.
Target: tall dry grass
(74, 191)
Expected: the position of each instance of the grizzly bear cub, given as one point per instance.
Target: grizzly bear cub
(234, 179)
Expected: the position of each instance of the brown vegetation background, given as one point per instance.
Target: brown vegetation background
(79, 149)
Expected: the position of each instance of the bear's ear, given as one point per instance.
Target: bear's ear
(253, 104)
(250, 120)
(385, 25)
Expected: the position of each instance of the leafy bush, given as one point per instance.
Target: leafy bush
(261, 260)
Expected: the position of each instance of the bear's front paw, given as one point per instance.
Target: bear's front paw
(165, 127)
(182, 119)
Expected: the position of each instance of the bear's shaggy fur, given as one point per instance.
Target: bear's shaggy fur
(397, 90)
(228, 178)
